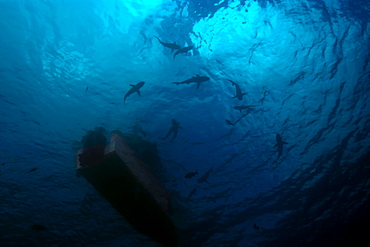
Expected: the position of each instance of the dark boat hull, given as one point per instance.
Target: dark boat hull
(128, 185)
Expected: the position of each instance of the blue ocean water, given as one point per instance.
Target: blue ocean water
(66, 66)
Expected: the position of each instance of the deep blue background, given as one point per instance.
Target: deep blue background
(305, 67)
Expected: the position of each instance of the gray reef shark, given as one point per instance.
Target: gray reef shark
(239, 94)
(197, 79)
(279, 144)
(182, 50)
(192, 192)
(134, 88)
(173, 130)
(172, 46)
(190, 174)
(228, 122)
(243, 107)
(205, 177)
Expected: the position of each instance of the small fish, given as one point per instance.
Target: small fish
(32, 170)
(87, 88)
(191, 174)
(38, 227)
(3, 163)
(228, 122)
(256, 227)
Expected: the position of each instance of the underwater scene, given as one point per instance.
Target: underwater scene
(185, 123)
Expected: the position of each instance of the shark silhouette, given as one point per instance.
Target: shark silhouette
(172, 46)
(173, 130)
(279, 144)
(197, 79)
(204, 178)
(190, 174)
(134, 88)
(192, 193)
(243, 107)
(182, 50)
(228, 122)
(239, 94)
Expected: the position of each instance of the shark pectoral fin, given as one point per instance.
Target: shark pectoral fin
(198, 85)
(233, 83)
(245, 93)
(275, 145)
(235, 97)
(138, 92)
(197, 75)
(132, 85)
